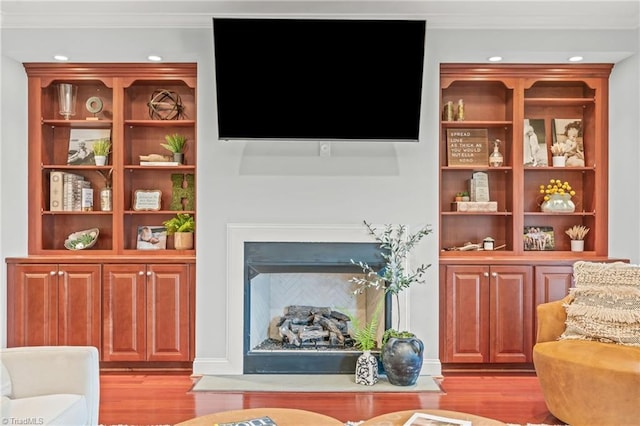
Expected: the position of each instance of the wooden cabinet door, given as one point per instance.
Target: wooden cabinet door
(552, 283)
(124, 313)
(79, 305)
(511, 314)
(32, 308)
(53, 305)
(467, 314)
(168, 312)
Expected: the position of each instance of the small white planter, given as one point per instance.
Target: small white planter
(560, 161)
(577, 245)
(101, 160)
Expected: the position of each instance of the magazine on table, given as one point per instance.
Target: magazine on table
(258, 421)
(424, 419)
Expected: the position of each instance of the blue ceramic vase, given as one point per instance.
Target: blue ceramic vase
(402, 360)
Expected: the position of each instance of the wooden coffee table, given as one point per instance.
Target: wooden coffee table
(399, 418)
(281, 416)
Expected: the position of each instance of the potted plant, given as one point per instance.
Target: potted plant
(401, 350)
(176, 144)
(577, 234)
(182, 227)
(101, 149)
(366, 339)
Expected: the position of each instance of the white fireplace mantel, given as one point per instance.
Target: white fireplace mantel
(237, 235)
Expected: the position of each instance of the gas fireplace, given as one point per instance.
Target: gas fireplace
(298, 302)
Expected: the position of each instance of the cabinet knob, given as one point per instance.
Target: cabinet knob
(141, 273)
(60, 273)
(148, 273)
(52, 273)
(486, 274)
(494, 274)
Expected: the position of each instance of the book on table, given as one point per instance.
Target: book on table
(424, 419)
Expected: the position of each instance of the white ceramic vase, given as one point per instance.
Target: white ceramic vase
(366, 369)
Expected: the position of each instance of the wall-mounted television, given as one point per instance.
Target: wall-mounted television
(318, 79)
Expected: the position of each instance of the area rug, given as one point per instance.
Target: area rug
(305, 383)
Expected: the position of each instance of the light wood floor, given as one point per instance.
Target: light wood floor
(146, 399)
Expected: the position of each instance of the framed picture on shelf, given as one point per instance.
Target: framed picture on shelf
(81, 141)
(567, 132)
(536, 152)
(151, 237)
(539, 238)
(147, 199)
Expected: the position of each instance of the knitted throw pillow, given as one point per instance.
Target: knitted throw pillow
(606, 305)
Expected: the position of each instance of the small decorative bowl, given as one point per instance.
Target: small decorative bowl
(82, 239)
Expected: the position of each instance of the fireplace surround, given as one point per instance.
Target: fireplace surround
(220, 344)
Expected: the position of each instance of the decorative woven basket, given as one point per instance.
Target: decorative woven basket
(82, 239)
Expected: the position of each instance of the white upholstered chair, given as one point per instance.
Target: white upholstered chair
(50, 385)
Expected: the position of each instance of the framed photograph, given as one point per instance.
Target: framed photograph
(151, 237)
(539, 238)
(567, 132)
(536, 152)
(81, 141)
(424, 419)
(147, 199)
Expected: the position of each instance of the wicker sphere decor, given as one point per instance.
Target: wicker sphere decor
(165, 105)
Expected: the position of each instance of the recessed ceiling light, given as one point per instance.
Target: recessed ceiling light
(61, 58)
(154, 58)
(575, 59)
(495, 58)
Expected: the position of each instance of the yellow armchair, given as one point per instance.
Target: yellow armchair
(585, 382)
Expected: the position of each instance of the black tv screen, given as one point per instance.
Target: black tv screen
(323, 79)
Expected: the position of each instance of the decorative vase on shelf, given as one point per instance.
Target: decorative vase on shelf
(559, 161)
(366, 369)
(577, 245)
(559, 203)
(101, 160)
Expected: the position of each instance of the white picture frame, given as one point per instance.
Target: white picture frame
(147, 200)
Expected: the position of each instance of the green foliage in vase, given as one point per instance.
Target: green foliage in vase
(102, 147)
(365, 336)
(389, 333)
(181, 222)
(394, 277)
(175, 143)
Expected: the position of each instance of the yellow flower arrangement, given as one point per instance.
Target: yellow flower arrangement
(556, 186)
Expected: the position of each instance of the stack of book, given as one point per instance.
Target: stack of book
(69, 192)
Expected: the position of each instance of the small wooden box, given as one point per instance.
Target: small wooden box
(474, 206)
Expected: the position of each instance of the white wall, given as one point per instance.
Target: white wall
(289, 183)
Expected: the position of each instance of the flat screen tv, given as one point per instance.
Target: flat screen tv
(318, 79)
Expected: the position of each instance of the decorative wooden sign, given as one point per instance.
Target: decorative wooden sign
(467, 147)
(147, 199)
